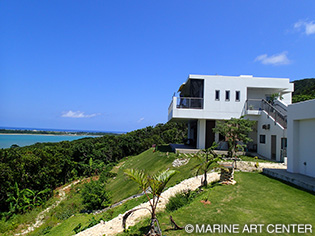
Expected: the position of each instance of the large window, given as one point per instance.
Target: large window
(237, 96)
(217, 95)
(227, 95)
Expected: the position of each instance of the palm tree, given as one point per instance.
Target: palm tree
(153, 184)
(207, 160)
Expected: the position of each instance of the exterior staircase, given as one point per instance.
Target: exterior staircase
(276, 111)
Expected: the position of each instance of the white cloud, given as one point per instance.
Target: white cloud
(308, 27)
(77, 114)
(275, 59)
(141, 119)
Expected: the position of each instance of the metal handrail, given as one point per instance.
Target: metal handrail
(275, 113)
(273, 107)
(262, 104)
(189, 103)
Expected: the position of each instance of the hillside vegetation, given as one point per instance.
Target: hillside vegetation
(29, 174)
(64, 218)
(304, 89)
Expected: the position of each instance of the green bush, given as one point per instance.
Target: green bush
(95, 196)
(105, 175)
(179, 200)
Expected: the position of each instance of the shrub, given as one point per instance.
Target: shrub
(179, 200)
(105, 175)
(95, 196)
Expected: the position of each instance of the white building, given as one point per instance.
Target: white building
(204, 99)
(301, 138)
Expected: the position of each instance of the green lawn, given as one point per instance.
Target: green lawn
(248, 158)
(255, 199)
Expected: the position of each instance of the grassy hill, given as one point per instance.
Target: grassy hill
(64, 218)
(304, 89)
(255, 199)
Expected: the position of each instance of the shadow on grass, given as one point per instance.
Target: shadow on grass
(288, 183)
(141, 231)
(171, 229)
(213, 185)
(164, 148)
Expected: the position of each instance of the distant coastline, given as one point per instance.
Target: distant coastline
(92, 135)
(25, 137)
(9, 131)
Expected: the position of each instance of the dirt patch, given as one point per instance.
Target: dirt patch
(116, 168)
(205, 202)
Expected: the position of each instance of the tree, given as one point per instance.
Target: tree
(236, 132)
(155, 184)
(274, 97)
(207, 160)
(95, 196)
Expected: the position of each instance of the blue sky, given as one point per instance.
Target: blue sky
(114, 65)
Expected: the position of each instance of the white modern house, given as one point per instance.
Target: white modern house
(205, 99)
(301, 138)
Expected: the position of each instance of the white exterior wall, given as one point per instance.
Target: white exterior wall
(250, 88)
(264, 149)
(218, 110)
(201, 134)
(301, 138)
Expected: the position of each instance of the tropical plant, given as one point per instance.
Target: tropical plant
(95, 196)
(153, 184)
(179, 200)
(207, 160)
(273, 97)
(236, 133)
(49, 165)
(22, 200)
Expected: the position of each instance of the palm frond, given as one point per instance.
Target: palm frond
(139, 177)
(160, 180)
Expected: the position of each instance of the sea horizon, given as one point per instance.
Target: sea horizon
(59, 130)
(20, 139)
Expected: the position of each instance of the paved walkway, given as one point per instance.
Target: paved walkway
(302, 181)
(114, 226)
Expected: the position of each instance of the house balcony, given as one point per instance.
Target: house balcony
(184, 107)
(276, 110)
(253, 107)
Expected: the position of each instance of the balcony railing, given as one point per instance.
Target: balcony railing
(275, 113)
(254, 104)
(189, 103)
(262, 104)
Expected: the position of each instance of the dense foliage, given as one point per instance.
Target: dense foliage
(95, 196)
(235, 132)
(179, 200)
(304, 89)
(47, 165)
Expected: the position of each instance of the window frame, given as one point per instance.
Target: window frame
(227, 95)
(217, 92)
(237, 94)
(262, 138)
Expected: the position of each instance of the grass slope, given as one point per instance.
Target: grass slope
(61, 221)
(255, 199)
(152, 162)
(64, 218)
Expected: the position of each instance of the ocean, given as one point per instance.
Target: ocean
(6, 140)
